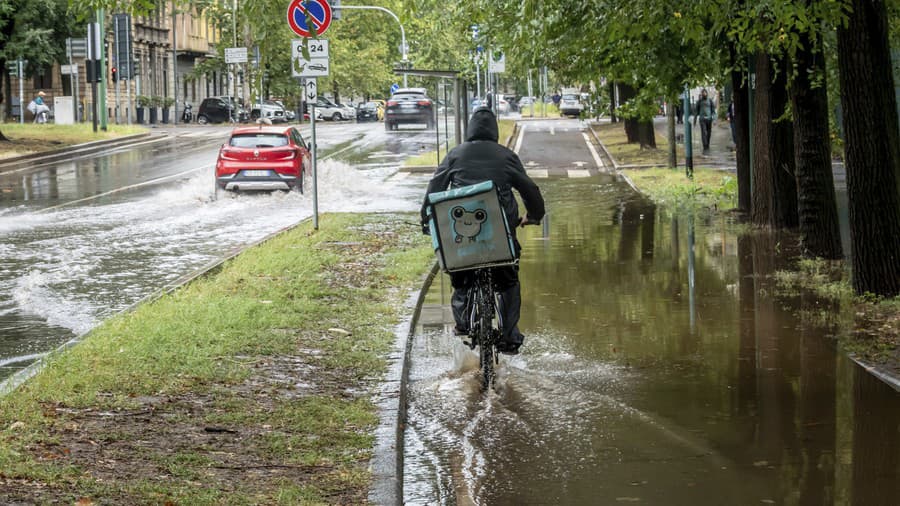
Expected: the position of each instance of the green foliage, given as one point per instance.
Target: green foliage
(35, 31)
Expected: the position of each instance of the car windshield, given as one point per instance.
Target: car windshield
(368, 105)
(260, 140)
(569, 97)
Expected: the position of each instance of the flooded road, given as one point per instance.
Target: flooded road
(84, 239)
(659, 367)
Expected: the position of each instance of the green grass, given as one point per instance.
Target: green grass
(551, 110)
(612, 135)
(226, 351)
(712, 189)
(32, 138)
(429, 158)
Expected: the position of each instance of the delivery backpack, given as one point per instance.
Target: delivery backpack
(469, 229)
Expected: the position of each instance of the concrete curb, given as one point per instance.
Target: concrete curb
(70, 151)
(606, 152)
(16, 380)
(891, 380)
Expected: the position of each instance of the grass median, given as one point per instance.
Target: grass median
(250, 386)
(27, 138)
(711, 189)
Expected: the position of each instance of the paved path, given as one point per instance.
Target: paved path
(557, 148)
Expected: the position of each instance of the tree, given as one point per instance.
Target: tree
(872, 149)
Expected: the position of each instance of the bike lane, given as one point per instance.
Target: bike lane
(654, 371)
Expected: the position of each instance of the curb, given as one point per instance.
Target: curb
(891, 380)
(606, 152)
(16, 380)
(87, 148)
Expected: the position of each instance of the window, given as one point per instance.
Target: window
(43, 78)
(260, 140)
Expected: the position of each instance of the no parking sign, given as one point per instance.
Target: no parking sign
(319, 14)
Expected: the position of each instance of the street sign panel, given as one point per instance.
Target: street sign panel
(316, 65)
(235, 55)
(497, 64)
(319, 12)
(394, 88)
(311, 91)
(68, 69)
(76, 48)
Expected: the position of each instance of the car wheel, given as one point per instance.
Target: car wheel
(336, 117)
(254, 115)
(202, 119)
(388, 126)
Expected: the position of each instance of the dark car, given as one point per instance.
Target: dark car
(367, 112)
(263, 158)
(215, 110)
(409, 106)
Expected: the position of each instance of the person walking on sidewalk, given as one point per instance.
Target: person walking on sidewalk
(705, 112)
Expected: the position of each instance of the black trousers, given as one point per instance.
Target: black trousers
(506, 284)
(705, 131)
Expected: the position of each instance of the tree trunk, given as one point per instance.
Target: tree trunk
(872, 152)
(741, 119)
(3, 138)
(670, 117)
(775, 187)
(7, 100)
(820, 233)
(626, 93)
(646, 134)
(612, 103)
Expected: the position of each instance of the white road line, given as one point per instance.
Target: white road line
(538, 173)
(129, 187)
(574, 173)
(552, 130)
(593, 151)
(521, 136)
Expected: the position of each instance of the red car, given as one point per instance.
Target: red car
(263, 158)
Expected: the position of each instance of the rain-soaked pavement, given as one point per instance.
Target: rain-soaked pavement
(85, 238)
(660, 368)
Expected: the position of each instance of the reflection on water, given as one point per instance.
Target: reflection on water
(659, 367)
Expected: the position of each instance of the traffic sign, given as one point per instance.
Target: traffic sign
(309, 57)
(497, 64)
(311, 91)
(394, 88)
(235, 55)
(68, 69)
(319, 13)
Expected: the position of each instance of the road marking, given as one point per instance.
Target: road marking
(400, 175)
(538, 173)
(552, 130)
(580, 164)
(521, 136)
(593, 151)
(129, 187)
(573, 173)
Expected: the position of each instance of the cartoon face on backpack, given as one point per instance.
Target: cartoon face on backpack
(467, 223)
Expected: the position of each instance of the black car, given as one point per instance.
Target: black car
(367, 112)
(409, 105)
(215, 110)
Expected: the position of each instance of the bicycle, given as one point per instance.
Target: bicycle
(481, 302)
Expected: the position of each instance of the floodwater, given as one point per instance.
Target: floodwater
(74, 251)
(660, 367)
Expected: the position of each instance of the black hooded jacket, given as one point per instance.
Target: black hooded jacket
(481, 158)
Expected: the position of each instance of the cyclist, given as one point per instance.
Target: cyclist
(480, 158)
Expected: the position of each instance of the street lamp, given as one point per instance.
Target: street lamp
(403, 47)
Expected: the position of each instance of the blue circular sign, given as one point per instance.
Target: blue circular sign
(394, 88)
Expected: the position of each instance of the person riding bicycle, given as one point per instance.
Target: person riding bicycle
(480, 158)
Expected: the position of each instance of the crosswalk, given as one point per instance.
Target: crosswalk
(532, 173)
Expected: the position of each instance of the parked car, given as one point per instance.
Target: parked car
(330, 110)
(216, 109)
(348, 111)
(367, 111)
(269, 109)
(409, 105)
(263, 158)
(570, 105)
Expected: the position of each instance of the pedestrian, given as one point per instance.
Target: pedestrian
(730, 115)
(705, 112)
(679, 113)
(556, 98)
(490, 99)
(480, 158)
(38, 108)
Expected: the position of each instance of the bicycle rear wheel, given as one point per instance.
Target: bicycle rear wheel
(486, 341)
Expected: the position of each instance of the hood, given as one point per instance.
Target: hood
(482, 126)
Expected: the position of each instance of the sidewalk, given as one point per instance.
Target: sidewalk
(721, 149)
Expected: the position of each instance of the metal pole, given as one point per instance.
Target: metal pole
(446, 121)
(404, 49)
(437, 126)
(130, 67)
(458, 110)
(116, 62)
(20, 64)
(174, 65)
(315, 188)
(101, 74)
(233, 75)
(688, 143)
(477, 76)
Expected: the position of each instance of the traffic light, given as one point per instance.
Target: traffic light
(136, 65)
(115, 73)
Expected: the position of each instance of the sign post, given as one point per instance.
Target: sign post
(311, 93)
(233, 56)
